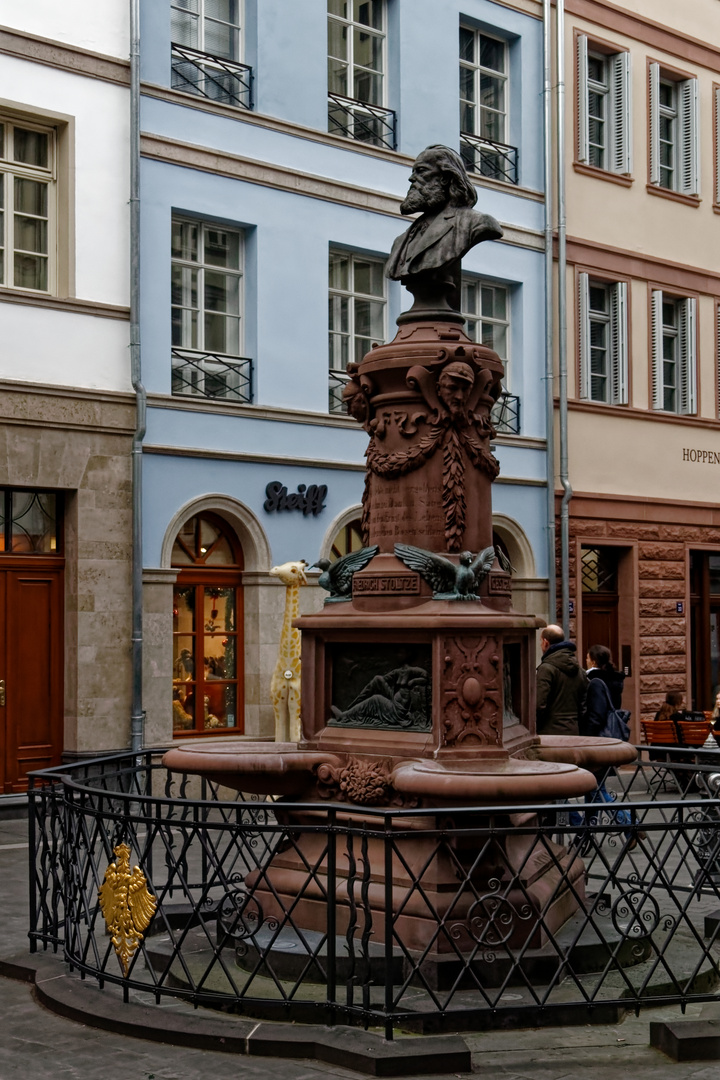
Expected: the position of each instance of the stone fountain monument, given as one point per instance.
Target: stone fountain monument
(418, 678)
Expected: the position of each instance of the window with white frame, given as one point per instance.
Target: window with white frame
(486, 308)
(674, 142)
(356, 72)
(357, 314)
(207, 49)
(27, 205)
(603, 84)
(210, 26)
(206, 300)
(674, 359)
(603, 340)
(484, 89)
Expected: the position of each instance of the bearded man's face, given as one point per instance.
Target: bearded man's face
(427, 190)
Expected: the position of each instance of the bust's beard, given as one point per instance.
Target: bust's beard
(424, 198)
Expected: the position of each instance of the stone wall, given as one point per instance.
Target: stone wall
(662, 657)
(79, 443)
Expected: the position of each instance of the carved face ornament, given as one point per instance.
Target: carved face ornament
(454, 385)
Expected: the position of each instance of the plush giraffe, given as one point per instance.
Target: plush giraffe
(285, 683)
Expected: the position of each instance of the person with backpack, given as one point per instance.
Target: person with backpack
(604, 696)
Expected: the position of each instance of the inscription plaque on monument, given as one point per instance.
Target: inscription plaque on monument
(381, 686)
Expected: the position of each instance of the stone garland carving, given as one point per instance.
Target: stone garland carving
(451, 397)
(367, 783)
(472, 691)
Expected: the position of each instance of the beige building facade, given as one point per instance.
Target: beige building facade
(643, 301)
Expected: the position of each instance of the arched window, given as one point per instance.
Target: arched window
(208, 694)
(349, 538)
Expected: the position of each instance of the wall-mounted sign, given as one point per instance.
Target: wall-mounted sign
(311, 500)
(571, 607)
(702, 457)
(680, 607)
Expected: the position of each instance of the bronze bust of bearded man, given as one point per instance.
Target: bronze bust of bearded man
(426, 258)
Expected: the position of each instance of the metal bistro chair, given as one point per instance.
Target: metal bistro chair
(662, 734)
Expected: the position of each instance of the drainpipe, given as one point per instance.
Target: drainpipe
(549, 309)
(562, 321)
(137, 716)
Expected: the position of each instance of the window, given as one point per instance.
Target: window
(603, 341)
(486, 309)
(674, 144)
(356, 72)
(356, 314)
(348, 539)
(207, 628)
(206, 51)
(484, 106)
(603, 83)
(27, 206)
(206, 297)
(673, 353)
(30, 522)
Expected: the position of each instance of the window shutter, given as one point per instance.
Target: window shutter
(654, 94)
(619, 343)
(656, 342)
(717, 145)
(620, 83)
(584, 317)
(686, 355)
(583, 103)
(689, 146)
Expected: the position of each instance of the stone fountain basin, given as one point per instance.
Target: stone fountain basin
(552, 767)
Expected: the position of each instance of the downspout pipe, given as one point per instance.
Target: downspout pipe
(549, 308)
(562, 322)
(137, 715)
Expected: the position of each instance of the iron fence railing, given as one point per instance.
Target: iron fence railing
(212, 375)
(211, 77)
(309, 912)
(361, 121)
(497, 161)
(505, 414)
(336, 385)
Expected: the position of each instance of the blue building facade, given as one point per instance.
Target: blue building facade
(277, 140)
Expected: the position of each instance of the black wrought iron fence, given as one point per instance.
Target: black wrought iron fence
(505, 414)
(212, 375)
(335, 913)
(362, 121)
(498, 161)
(210, 76)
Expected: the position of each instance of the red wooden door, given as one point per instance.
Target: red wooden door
(31, 666)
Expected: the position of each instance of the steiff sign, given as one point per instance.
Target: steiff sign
(702, 457)
(310, 500)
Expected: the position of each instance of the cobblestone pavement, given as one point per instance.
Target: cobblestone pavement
(38, 1045)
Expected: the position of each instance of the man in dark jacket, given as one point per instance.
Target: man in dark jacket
(561, 685)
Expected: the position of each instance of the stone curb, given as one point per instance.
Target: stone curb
(687, 1040)
(361, 1051)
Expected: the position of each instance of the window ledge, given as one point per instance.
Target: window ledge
(631, 412)
(675, 196)
(63, 303)
(603, 174)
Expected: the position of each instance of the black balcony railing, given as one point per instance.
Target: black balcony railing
(495, 160)
(638, 878)
(338, 379)
(360, 121)
(505, 414)
(212, 77)
(211, 375)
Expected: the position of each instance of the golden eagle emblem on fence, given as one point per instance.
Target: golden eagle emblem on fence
(127, 905)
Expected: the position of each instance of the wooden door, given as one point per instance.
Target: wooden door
(600, 624)
(31, 667)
